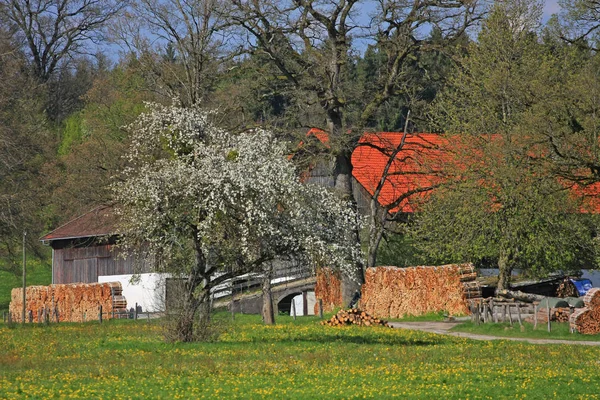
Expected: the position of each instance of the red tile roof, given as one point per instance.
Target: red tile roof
(418, 166)
(414, 168)
(100, 221)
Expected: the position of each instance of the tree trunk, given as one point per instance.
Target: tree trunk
(184, 326)
(376, 228)
(505, 267)
(351, 281)
(268, 313)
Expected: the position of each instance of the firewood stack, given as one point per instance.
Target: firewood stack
(393, 292)
(354, 316)
(69, 302)
(567, 289)
(328, 289)
(586, 320)
(560, 314)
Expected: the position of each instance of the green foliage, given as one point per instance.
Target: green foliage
(507, 200)
(509, 212)
(399, 251)
(38, 273)
(72, 133)
(294, 359)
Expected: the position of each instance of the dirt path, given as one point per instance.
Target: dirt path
(443, 328)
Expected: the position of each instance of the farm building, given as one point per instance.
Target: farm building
(84, 251)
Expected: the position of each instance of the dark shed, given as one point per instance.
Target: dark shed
(84, 248)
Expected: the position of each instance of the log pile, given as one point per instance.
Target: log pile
(328, 289)
(392, 292)
(69, 302)
(353, 316)
(586, 320)
(567, 289)
(559, 314)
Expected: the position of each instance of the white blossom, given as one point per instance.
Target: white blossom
(237, 194)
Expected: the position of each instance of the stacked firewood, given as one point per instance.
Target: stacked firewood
(560, 314)
(68, 302)
(354, 316)
(392, 292)
(328, 289)
(587, 320)
(567, 289)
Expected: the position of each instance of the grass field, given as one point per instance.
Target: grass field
(293, 359)
(558, 331)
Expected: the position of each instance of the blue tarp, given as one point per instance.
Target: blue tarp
(582, 285)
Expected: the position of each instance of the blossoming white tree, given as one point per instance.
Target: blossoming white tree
(210, 205)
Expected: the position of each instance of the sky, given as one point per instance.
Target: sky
(550, 7)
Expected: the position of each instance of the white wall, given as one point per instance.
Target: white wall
(147, 290)
(311, 300)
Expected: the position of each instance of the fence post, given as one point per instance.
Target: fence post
(549, 323)
(321, 308)
(135, 313)
(294, 308)
(30, 316)
(100, 313)
(535, 313)
(571, 310)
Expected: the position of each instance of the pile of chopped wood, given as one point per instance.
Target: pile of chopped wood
(587, 320)
(558, 314)
(567, 289)
(328, 289)
(393, 292)
(69, 302)
(354, 316)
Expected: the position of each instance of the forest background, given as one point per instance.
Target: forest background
(75, 73)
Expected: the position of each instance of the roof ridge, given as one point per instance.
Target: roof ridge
(102, 206)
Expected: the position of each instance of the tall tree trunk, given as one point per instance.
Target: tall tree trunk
(352, 280)
(505, 267)
(268, 312)
(376, 229)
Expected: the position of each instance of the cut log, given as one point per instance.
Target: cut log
(353, 317)
(518, 295)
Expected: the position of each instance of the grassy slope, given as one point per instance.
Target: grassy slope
(37, 274)
(294, 359)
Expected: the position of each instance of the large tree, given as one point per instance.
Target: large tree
(506, 210)
(54, 31)
(208, 205)
(505, 204)
(309, 45)
(181, 45)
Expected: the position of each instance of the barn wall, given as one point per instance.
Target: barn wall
(85, 264)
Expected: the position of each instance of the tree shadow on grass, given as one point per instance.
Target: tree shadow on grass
(344, 337)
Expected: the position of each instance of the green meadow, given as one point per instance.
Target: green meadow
(293, 359)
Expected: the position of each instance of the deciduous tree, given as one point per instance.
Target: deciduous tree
(209, 205)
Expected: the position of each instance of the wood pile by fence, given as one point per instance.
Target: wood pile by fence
(75, 302)
(392, 292)
(586, 320)
(353, 316)
(328, 289)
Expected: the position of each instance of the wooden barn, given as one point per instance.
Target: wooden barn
(84, 249)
